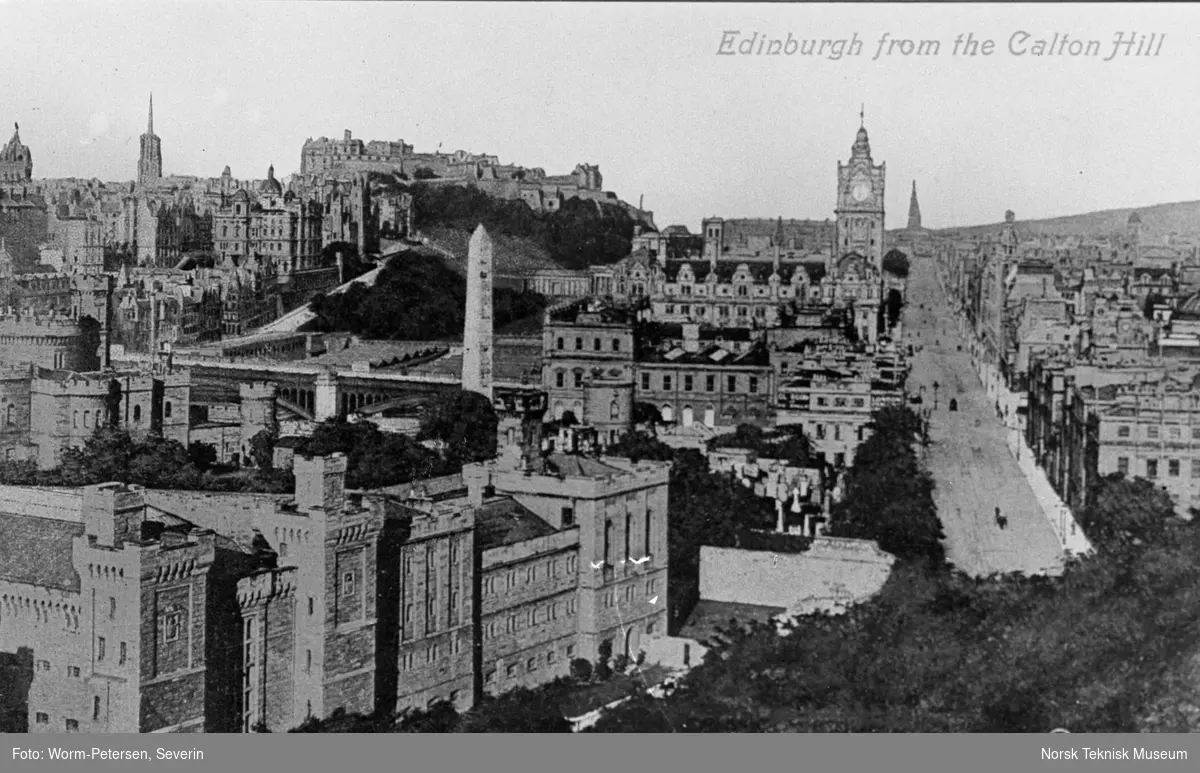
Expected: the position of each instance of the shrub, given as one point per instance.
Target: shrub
(581, 669)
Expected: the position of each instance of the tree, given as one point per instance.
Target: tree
(895, 305)
(645, 413)
(581, 669)
(787, 443)
(896, 262)
(888, 494)
(374, 459)
(465, 421)
(262, 448)
(1125, 512)
(519, 711)
(202, 455)
(353, 264)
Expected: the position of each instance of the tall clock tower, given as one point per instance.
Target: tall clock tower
(860, 204)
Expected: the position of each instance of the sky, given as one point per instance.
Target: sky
(638, 88)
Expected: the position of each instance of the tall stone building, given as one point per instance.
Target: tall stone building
(150, 158)
(477, 336)
(860, 204)
(914, 211)
(16, 162)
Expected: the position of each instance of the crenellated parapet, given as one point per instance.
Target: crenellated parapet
(266, 586)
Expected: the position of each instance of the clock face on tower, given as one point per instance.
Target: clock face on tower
(860, 190)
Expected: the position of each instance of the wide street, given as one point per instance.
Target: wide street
(968, 456)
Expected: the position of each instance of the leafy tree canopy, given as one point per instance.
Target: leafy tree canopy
(465, 421)
(374, 459)
(417, 297)
(896, 262)
(112, 454)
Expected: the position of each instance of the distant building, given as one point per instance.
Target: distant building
(150, 155)
(16, 161)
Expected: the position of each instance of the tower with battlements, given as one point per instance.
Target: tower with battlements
(477, 331)
(150, 158)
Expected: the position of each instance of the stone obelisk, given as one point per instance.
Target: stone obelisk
(477, 331)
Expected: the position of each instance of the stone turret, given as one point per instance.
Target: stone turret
(320, 482)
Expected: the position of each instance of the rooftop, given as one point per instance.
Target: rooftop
(709, 616)
(504, 521)
(756, 356)
(39, 551)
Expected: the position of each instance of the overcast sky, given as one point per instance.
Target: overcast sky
(637, 88)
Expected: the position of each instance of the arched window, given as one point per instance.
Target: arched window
(614, 410)
(87, 418)
(710, 416)
(687, 416)
(75, 419)
(167, 409)
(137, 414)
(559, 408)
(12, 414)
(668, 414)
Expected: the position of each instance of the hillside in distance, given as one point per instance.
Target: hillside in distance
(513, 255)
(1158, 220)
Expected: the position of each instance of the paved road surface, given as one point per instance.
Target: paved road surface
(968, 456)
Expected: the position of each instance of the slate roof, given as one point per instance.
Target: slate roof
(504, 521)
(38, 551)
(756, 357)
(709, 615)
(574, 466)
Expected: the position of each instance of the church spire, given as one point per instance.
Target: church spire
(914, 210)
(150, 120)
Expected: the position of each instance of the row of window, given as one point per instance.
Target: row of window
(433, 653)
(45, 667)
(69, 725)
(531, 664)
(1154, 432)
(742, 290)
(1152, 467)
(722, 311)
(531, 572)
(610, 597)
(710, 383)
(860, 433)
(168, 409)
(533, 617)
(597, 344)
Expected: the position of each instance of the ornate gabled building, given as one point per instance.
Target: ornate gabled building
(280, 228)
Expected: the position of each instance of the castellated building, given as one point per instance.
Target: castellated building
(45, 410)
(129, 610)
